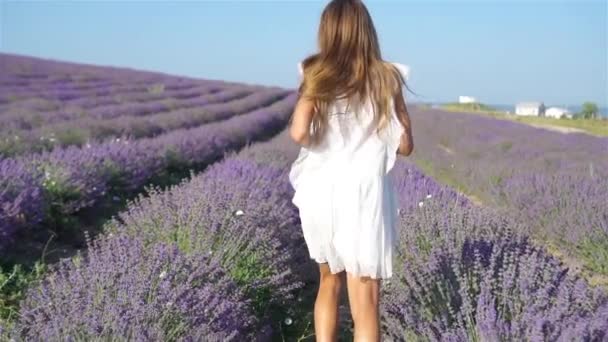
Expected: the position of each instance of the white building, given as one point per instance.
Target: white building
(530, 109)
(557, 112)
(466, 99)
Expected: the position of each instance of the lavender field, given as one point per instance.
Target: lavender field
(76, 136)
(208, 245)
(555, 184)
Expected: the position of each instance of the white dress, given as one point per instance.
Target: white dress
(344, 192)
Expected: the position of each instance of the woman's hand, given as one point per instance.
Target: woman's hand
(406, 145)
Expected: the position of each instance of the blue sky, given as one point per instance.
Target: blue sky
(501, 52)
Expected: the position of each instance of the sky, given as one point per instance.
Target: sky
(499, 51)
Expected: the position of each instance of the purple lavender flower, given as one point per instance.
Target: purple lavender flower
(123, 288)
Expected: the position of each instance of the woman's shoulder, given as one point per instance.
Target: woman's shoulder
(306, 62)
(300, 68)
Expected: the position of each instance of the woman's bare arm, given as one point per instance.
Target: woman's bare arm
(406, 145)
(299, 130)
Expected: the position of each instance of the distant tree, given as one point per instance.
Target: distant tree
(589, 111)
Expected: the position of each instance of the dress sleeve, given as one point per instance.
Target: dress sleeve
(395, 128)
(404, 70)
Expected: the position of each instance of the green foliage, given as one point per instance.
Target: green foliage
(248, 269)
(157, 88)
(116, 180)
(72, 136)
(471, 107)
(10, 145)
(594, 251)
(175, 159)
(13, 285)
(588, 111)
(58, 194)
(505, 146)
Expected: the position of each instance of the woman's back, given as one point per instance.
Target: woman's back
(351, 146)
(344, 191)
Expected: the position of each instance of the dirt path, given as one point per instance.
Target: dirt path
(555, 128)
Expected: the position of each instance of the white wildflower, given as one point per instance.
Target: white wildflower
(169, 304)
(429, 196)
(239, 213)
(288, 321)
(162, 275)
(420, 204)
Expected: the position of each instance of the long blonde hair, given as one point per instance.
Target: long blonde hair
(348, 66)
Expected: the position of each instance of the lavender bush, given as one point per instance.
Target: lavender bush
(237, 216)
(493, 290)
(124, 289)
(468, 273)
(240, 212)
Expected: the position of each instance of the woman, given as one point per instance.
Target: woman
(351, 121)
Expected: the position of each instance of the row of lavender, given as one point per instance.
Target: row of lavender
(22, 78)
(220, 258)
(469, 273)
(51, 96)
(136, 120)
(35, 112)
(37, 187)
(215, 258)
(130, 99)
(40, 113)
(555, 183)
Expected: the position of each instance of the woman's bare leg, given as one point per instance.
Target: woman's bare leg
(363, 296)
(326, 305)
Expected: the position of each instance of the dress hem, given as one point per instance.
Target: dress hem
(338, 269)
